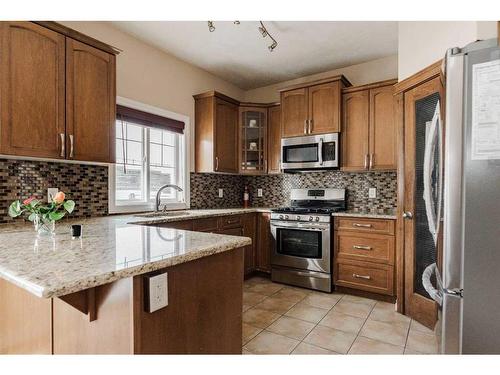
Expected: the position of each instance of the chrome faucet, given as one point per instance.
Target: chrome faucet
(158, 194)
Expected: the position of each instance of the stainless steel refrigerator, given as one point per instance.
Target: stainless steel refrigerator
(467, 284)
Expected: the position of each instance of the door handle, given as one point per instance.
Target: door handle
(216, 163)
(366, 161)
(366, 277)
(361, 225)
(63, 144)
(407, 215)
(370, 163)
(71, 145)
(310, 126)
(320, 151)
(305, 126)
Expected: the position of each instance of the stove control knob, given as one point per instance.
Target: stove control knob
(317, 218)
(297, 217)
(311, 218)
(281, 217)
(286, 217)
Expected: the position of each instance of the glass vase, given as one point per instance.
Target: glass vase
(45, 227)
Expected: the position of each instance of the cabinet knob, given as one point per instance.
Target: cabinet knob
(407, 215)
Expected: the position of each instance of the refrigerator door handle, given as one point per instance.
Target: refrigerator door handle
(435, 294)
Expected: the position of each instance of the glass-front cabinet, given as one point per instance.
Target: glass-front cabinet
(253, 140)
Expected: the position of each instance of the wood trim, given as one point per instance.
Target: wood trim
(149, 119)
(364, 293)
(213, 93)
(340, 77)
(259, 105)
(369, 86)
(84, 301)
(399, 120)
(426, 74)
(57, 27)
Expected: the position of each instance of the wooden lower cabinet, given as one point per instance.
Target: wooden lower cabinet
(264, 243)
(365, 254)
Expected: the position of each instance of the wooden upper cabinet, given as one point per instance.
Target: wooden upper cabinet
(368, 128)
(226, 137)
(355, 131)
(253, 140)
(382, 129)
(294, 114)
(90, 103)
(324, 108)
(32, 91)
(312, 108)
(274, 139)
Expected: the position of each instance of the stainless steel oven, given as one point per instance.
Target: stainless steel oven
(310, 152)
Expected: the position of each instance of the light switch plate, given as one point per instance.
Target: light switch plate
(372, 193)
(51, 192)
(221, 193)
(259, 192)
(156, 288)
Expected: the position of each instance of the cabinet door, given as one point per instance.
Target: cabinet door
(249, 230)
(355, 131)
(264, 243)
(274, 140)
(253, 140)
(294, 113)
(31, 91)
(226, 135)
(324, 108)
(382, 129)
(90, 103)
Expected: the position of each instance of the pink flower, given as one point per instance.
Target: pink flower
(59, 197)
(28, 200)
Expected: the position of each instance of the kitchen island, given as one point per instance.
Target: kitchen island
(62, 295)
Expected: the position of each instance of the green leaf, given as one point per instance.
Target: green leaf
(56, 215)
(69, 206)
(34, 203)
(32, 216)
(15, 209)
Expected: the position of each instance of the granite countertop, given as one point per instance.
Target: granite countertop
(109, 249)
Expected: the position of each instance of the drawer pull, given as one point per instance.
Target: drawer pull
(359, 247)
(361, 276)
(361, 225)
(232, 221)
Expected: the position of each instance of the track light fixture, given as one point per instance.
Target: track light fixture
(262, 29)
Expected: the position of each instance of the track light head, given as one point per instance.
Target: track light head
(211, 26)
(273, 46)
(236, 22)
(263, 31)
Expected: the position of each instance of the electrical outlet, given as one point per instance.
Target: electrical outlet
(372, 193)
(221, 193)
(259, 192)
(51, 192)
(157, 290)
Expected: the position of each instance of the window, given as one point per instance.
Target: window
(150, 153)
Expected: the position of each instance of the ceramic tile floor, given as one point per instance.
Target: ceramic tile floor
(280, 319)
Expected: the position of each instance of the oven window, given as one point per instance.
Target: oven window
(300, 153)
(299, 243)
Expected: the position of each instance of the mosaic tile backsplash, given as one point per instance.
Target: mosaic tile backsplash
(276, 188)
(87, 185)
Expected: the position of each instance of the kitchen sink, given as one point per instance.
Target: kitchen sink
(164, 214)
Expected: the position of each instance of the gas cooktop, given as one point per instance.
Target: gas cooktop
(308, 210)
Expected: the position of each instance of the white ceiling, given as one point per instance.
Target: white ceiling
(239, 54)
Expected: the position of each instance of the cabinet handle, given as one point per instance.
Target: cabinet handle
(216, 163)
(71, 145)
(63, 144)
(361, 225)
(360, 247)
(366, 161)
(366, 277)
(305, 126)
(265, 165)
(310, 126)
(232, 221)
(371, 162)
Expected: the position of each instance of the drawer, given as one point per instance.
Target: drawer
(208, 224)
(371, 277)
(232, 231)
(232, 221)
(365, 247)
(380, 226)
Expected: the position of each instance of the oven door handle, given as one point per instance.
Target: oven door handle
(301, 226)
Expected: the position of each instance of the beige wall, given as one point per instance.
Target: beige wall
(150, 76)
(360, 74)
(422, 43)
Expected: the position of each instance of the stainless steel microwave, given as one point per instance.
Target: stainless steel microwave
(310, 152)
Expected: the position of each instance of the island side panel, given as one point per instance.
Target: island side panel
(110, 333)
(204, 312)
(25, 321)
